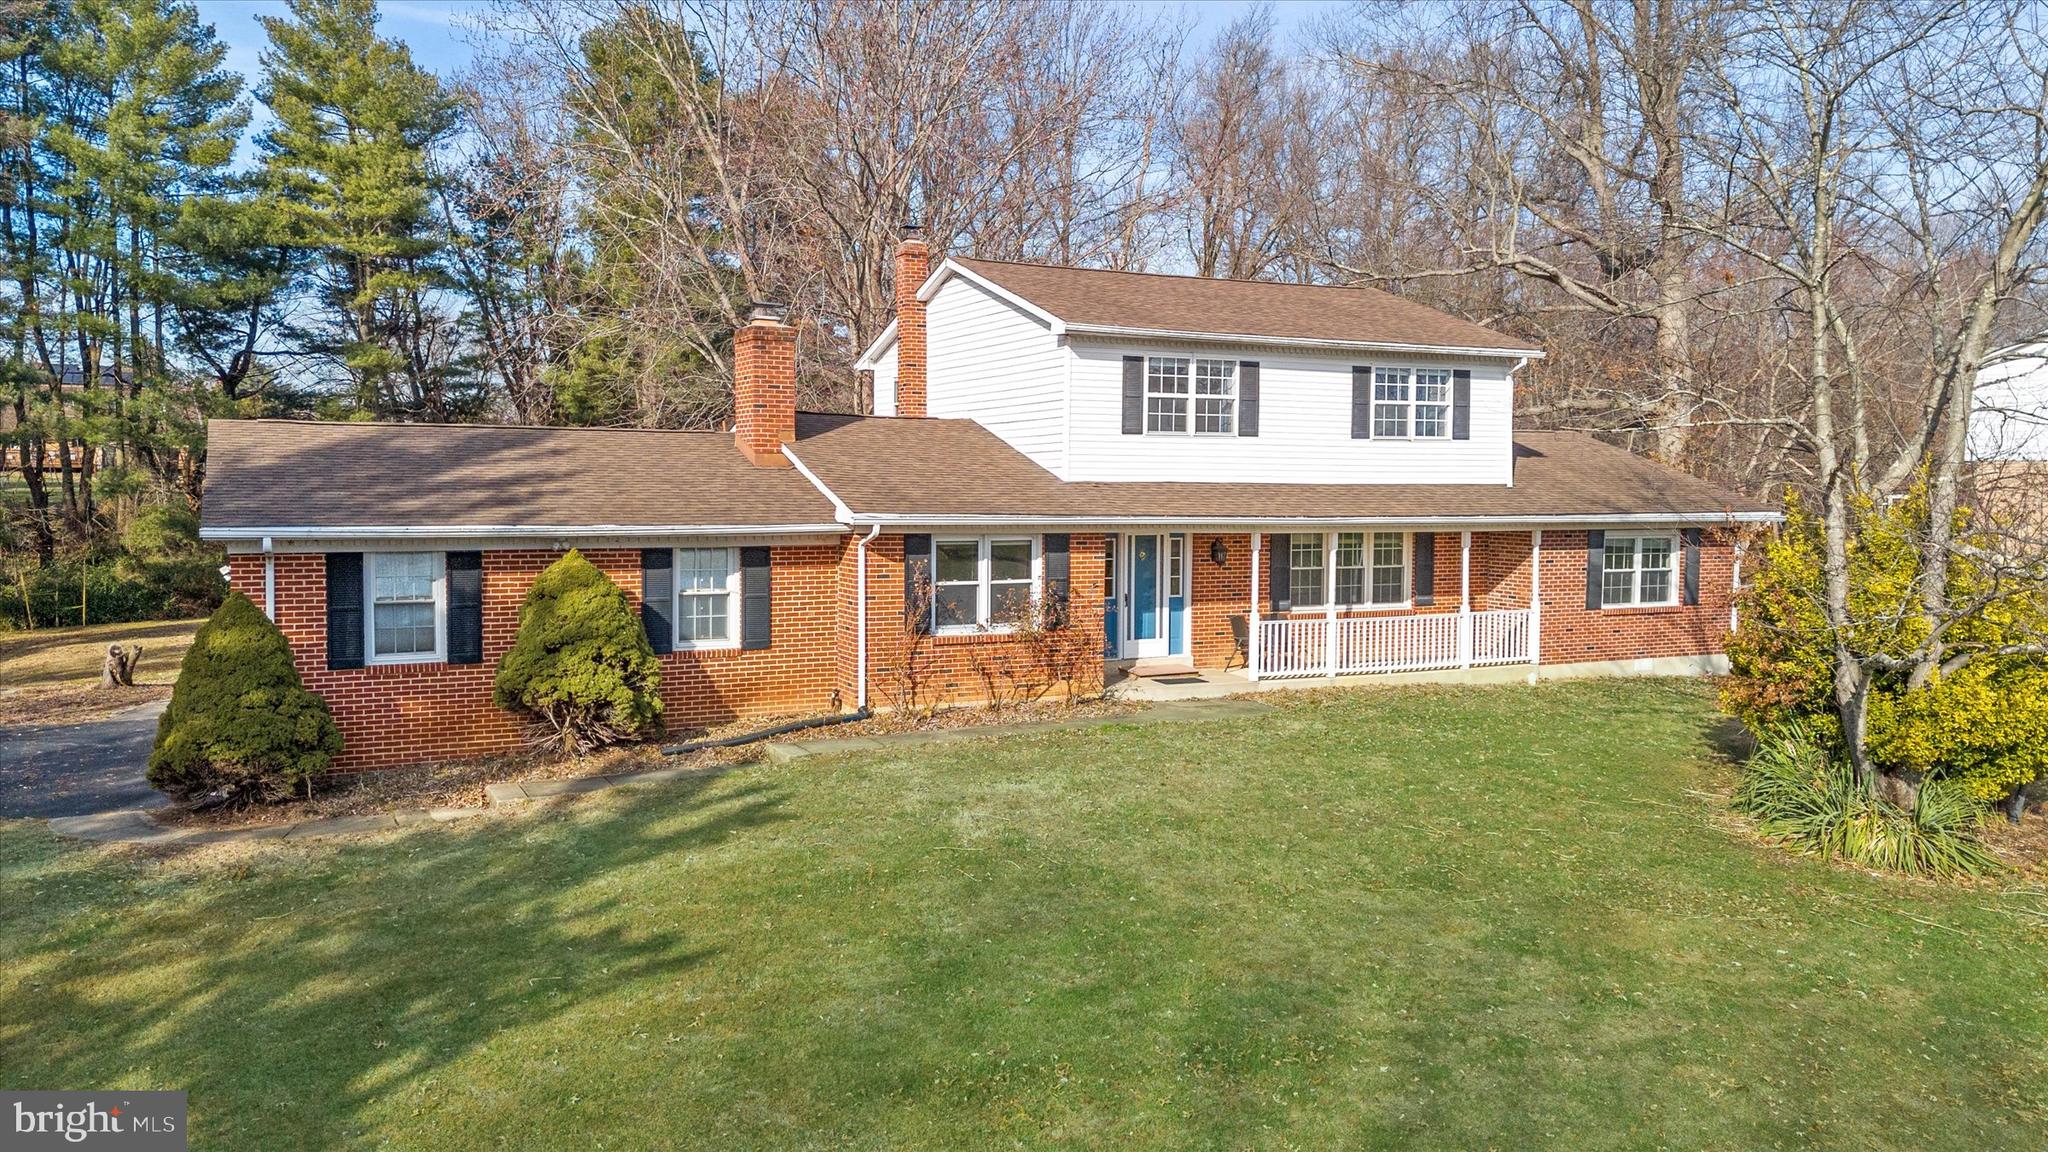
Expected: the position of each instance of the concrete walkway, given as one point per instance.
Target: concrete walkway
(71, 769)
(132, 826)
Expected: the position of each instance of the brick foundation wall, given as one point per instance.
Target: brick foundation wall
(399, 714)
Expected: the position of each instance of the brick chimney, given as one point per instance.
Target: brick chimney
(913, 264)
(764, 385)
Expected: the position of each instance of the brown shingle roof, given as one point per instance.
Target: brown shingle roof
(273, 475)
(941, 469)
(1088, 297)
(280, 473)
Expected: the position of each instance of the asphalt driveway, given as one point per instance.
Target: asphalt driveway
(79, 769)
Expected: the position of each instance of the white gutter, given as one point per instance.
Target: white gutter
(839, 507)
(1519, 365)
(860, 639)
(469, 531)
(1703, 518)
(1297, 342)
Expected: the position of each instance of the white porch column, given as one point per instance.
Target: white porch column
(1330, 601)
(1535, 596)
(1465, 599)
(1252, 644)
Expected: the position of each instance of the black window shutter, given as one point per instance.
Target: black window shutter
(1361, 402)
(1281, 579)
(1461, 404)
(465, 607)
(1596, 566)
(1425, 569)
(1689, 541)
(344, 609)
(1134, 395)
(917, 582)
(757, 607)
(1058, 575)
(1248, 398)
(658, 596)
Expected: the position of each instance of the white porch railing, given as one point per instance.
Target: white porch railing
(1501, 637)
(1319, 646)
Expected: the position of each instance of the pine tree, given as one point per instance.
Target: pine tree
(120, 117)
(350, 163)
(240, 722)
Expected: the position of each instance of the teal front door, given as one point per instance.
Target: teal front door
(1144, 601)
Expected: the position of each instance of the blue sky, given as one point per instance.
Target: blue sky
(439, 31)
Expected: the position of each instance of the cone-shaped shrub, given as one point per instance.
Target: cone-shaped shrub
(581, 667)
(240, 722)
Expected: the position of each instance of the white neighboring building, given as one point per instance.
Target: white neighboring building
(2011, 422)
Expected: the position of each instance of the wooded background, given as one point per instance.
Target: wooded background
(1769, 241)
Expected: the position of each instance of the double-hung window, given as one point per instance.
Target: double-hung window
(1366, 569)
(1305, 570)
(407, 602)
(1183, 394)
(1389, 568)
(706, 597)
(1411, 403)
(1390, 403)
(1432, 403)
(1637, 571)
(983, 582)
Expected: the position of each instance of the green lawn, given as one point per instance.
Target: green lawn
(1507, 918)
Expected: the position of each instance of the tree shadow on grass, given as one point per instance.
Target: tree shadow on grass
(296, 1004)
(1730, 741)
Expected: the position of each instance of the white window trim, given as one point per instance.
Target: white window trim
(1635, 580)
(1407, 600)
(677, 641)
(1192, 396)
(1409, 405)
(984, 599)
(440, 653)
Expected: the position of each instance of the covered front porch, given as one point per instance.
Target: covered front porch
(1223, 608)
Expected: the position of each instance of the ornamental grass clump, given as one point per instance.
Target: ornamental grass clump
(241, 727)
(1800, 791)
(581, 668)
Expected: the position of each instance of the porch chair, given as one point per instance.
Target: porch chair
(1240, 642)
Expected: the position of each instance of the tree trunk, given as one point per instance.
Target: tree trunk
(2015, 805)
(1852, 705)
(119, 669)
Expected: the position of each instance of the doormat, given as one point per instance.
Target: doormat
(1178, 680)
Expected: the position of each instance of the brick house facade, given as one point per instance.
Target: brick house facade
(775, 565)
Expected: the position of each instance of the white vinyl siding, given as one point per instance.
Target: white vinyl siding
(1304, 424)
(885, 383)
(993, 363)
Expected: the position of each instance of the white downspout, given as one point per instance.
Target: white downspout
(1253, 670)
(269, 582)
(860, 628)
(1735, 591)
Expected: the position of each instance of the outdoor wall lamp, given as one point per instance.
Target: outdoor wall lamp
(1218, 554)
